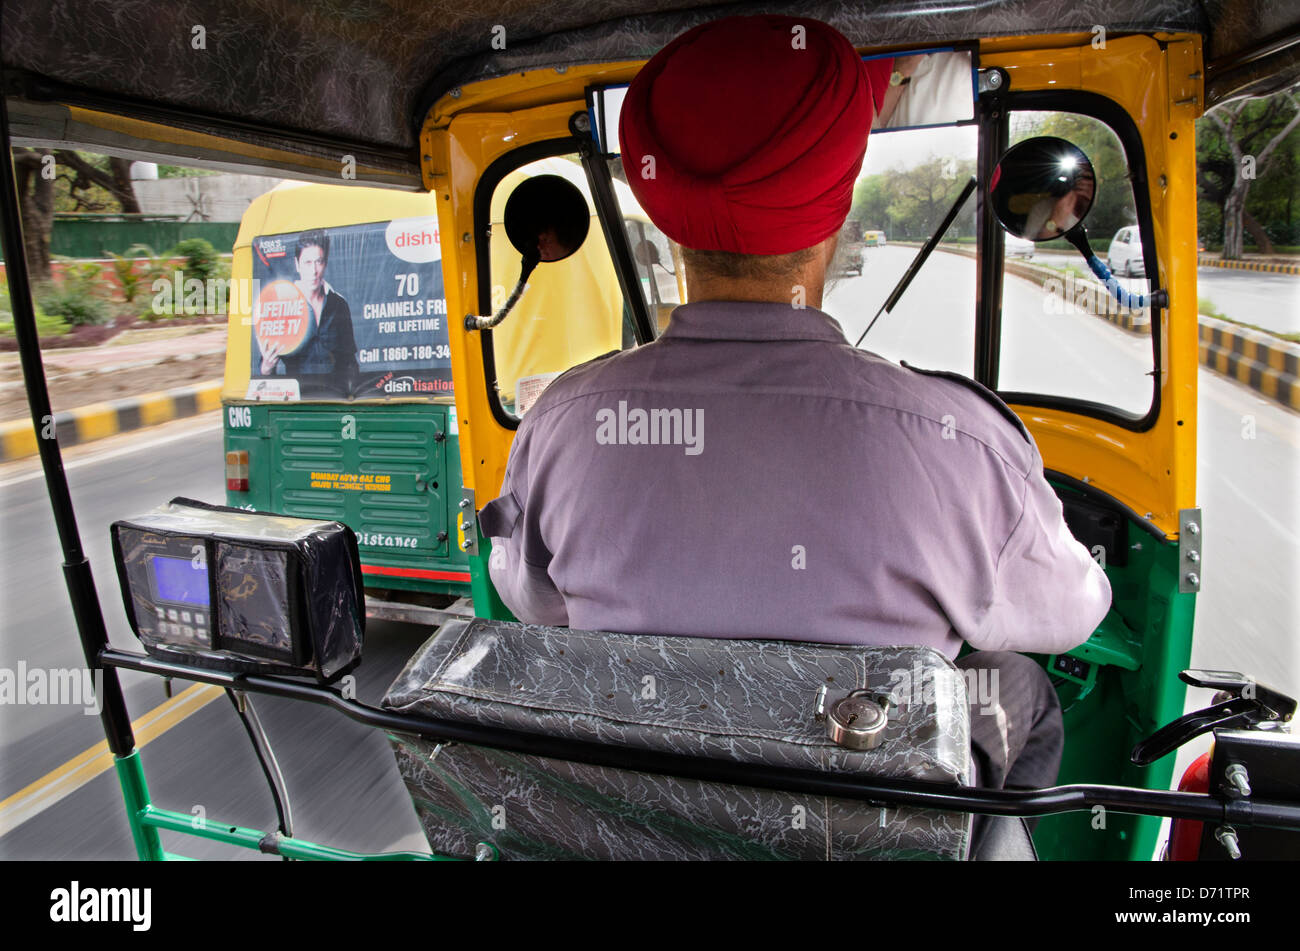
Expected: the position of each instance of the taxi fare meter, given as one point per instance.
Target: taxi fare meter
(244, 592)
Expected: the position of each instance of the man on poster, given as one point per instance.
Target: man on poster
(327, 358)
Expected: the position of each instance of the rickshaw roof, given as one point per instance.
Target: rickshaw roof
(307, 77)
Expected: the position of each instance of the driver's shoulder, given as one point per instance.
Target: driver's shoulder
(963, 411)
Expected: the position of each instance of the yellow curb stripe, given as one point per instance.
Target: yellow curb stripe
(64, 780)
(95, 422)
(17, 440)
(1268, 385)
(208, 398)
(156, 408)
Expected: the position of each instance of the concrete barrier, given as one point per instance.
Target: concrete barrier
(100, 420)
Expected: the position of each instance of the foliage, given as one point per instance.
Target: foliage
(201, 259)
(183, 171)
(47, 325)
(76, 296)
(1206, 306)
(127, 275)
(911, 203)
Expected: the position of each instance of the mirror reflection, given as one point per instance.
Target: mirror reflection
(546, 218)
(924, 89)
(1042, 188)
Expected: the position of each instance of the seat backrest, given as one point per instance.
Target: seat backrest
(748, 701)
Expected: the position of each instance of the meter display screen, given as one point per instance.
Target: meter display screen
(178, 580)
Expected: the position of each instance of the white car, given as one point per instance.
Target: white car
(1019, 247)
(1125, 254)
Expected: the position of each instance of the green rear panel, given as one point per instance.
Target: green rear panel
(391, 472)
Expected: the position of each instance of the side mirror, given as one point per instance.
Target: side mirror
(1043, 188)
(546, 219)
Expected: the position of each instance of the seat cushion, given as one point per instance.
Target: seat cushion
(746, 701)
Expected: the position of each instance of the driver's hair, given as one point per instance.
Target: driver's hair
(742, 267)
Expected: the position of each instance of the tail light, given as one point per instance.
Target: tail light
(237, 471)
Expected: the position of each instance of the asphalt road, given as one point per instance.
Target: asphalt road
(1271, 301)
(344, 787)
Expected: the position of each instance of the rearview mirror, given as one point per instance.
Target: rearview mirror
(1042, 188)
(927, 88)
(933, 88)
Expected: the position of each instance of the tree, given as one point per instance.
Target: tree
(48, 178)
(32, 170)
(870, 210)
(1249, 132)
(923, 194)
(111, 174)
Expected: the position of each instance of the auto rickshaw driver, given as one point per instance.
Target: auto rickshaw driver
(921, 516)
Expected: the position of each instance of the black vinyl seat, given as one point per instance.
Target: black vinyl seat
(748, 701)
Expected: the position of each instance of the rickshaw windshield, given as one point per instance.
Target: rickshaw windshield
(1053, 344)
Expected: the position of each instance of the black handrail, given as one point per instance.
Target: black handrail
(929, 795)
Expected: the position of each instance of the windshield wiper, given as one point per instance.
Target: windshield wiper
(929, 246)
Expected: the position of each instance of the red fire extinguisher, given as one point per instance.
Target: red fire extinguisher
(1185, 834)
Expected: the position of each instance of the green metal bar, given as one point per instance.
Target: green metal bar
(155, 818)
(487, 603)
(130, 773)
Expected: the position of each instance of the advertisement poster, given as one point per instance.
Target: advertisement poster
(350, 313)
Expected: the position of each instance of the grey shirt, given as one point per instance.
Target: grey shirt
(752, 475)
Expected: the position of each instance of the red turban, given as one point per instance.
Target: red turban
(747, 134)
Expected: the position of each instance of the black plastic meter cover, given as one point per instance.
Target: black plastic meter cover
(246, 592)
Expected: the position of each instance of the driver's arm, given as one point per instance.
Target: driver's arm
(520, 558)
(1049, 594)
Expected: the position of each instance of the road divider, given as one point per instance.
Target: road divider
(18, 439)
(1263, 362)
(1269, 266)
(1266, 363)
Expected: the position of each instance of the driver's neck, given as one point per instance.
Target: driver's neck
(802, 288)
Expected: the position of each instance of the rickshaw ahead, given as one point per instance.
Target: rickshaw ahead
(636, 745)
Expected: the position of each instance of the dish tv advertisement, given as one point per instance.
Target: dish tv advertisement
(350, 313)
